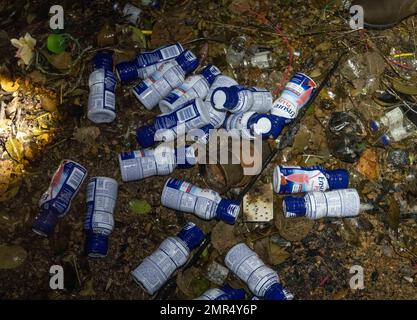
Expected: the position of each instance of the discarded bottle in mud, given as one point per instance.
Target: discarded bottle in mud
(391, 119)
(141, 164)
(99, 221)
(204, 203)
(262, 281)
(398, 134)
(167, 127)
(147, 63)
(130, 12)
(317, 205)
(297, 93)
(237, 99)
(56, 201)
(221, 81)
(225, 293)
(294, 179)
(252, 124)
(196, 86)
(173, 252)
(102, 99)
(167, 77)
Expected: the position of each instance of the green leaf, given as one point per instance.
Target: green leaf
(140, 206)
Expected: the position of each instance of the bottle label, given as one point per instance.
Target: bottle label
(213, 294)
(245, 100)
(183, 114)
(183, 196)
(193, 87)
(333, 204)
(294, 179)
(262, 100)
(64, 185)
(102, 90)
(101, 202)
(295, 96)
(159, 55)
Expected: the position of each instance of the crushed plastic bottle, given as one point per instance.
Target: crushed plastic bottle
(294, 179)
(238, 99)
(102, 83)
(173, 252)
(262, 281)
(195, 86)
(225, 293)
(56, 201)
(204, 203)
(167, 77)
(251, 124)
(129, 11)
(99, 221)
(297, 93)
(317, 205)
(141, 164)
(261, 60)
(147, 63)
(167, 127)
(236, 51)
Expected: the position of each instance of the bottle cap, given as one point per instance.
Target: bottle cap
(278, 124)
(45, 222)
(294, 207)
(187, 61)
(191, 235)
(96, 245)
(374, 125)
(145, 136)
(103, 59)
(277, 292)
(233, 294)
(338, 179)
(385, 140)
(127, 71)
(210, 73)
(228, 210)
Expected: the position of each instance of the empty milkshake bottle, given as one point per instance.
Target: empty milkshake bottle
(173, 253)
(167, 77)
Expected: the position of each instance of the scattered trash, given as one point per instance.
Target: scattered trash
(296, 179)
(56, 201)
(318, 205)
(206, 204)
(262, 281)
(258, 204)
(173, 252)
(99, 221)
(102, 100)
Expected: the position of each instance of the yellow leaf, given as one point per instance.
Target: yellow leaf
(9, 85)
(15, 148)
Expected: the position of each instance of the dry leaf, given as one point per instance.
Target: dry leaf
(86, 135)
(222, 237)
(368, 164)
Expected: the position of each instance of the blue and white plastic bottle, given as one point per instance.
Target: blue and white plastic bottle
(221, 81)
(196, 86)
(225, 293)
(317, 205)
(99, 220)
(249, 125)
(204, 203)
(140, 164)
(147, 63)
(167, 127)
(238, 99)
(167, 77)
(102, 83)
(173, 252)
(56, 201)
(294, 179)
(297, 93)
(262, 281)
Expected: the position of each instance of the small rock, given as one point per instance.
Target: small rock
(12, 256)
